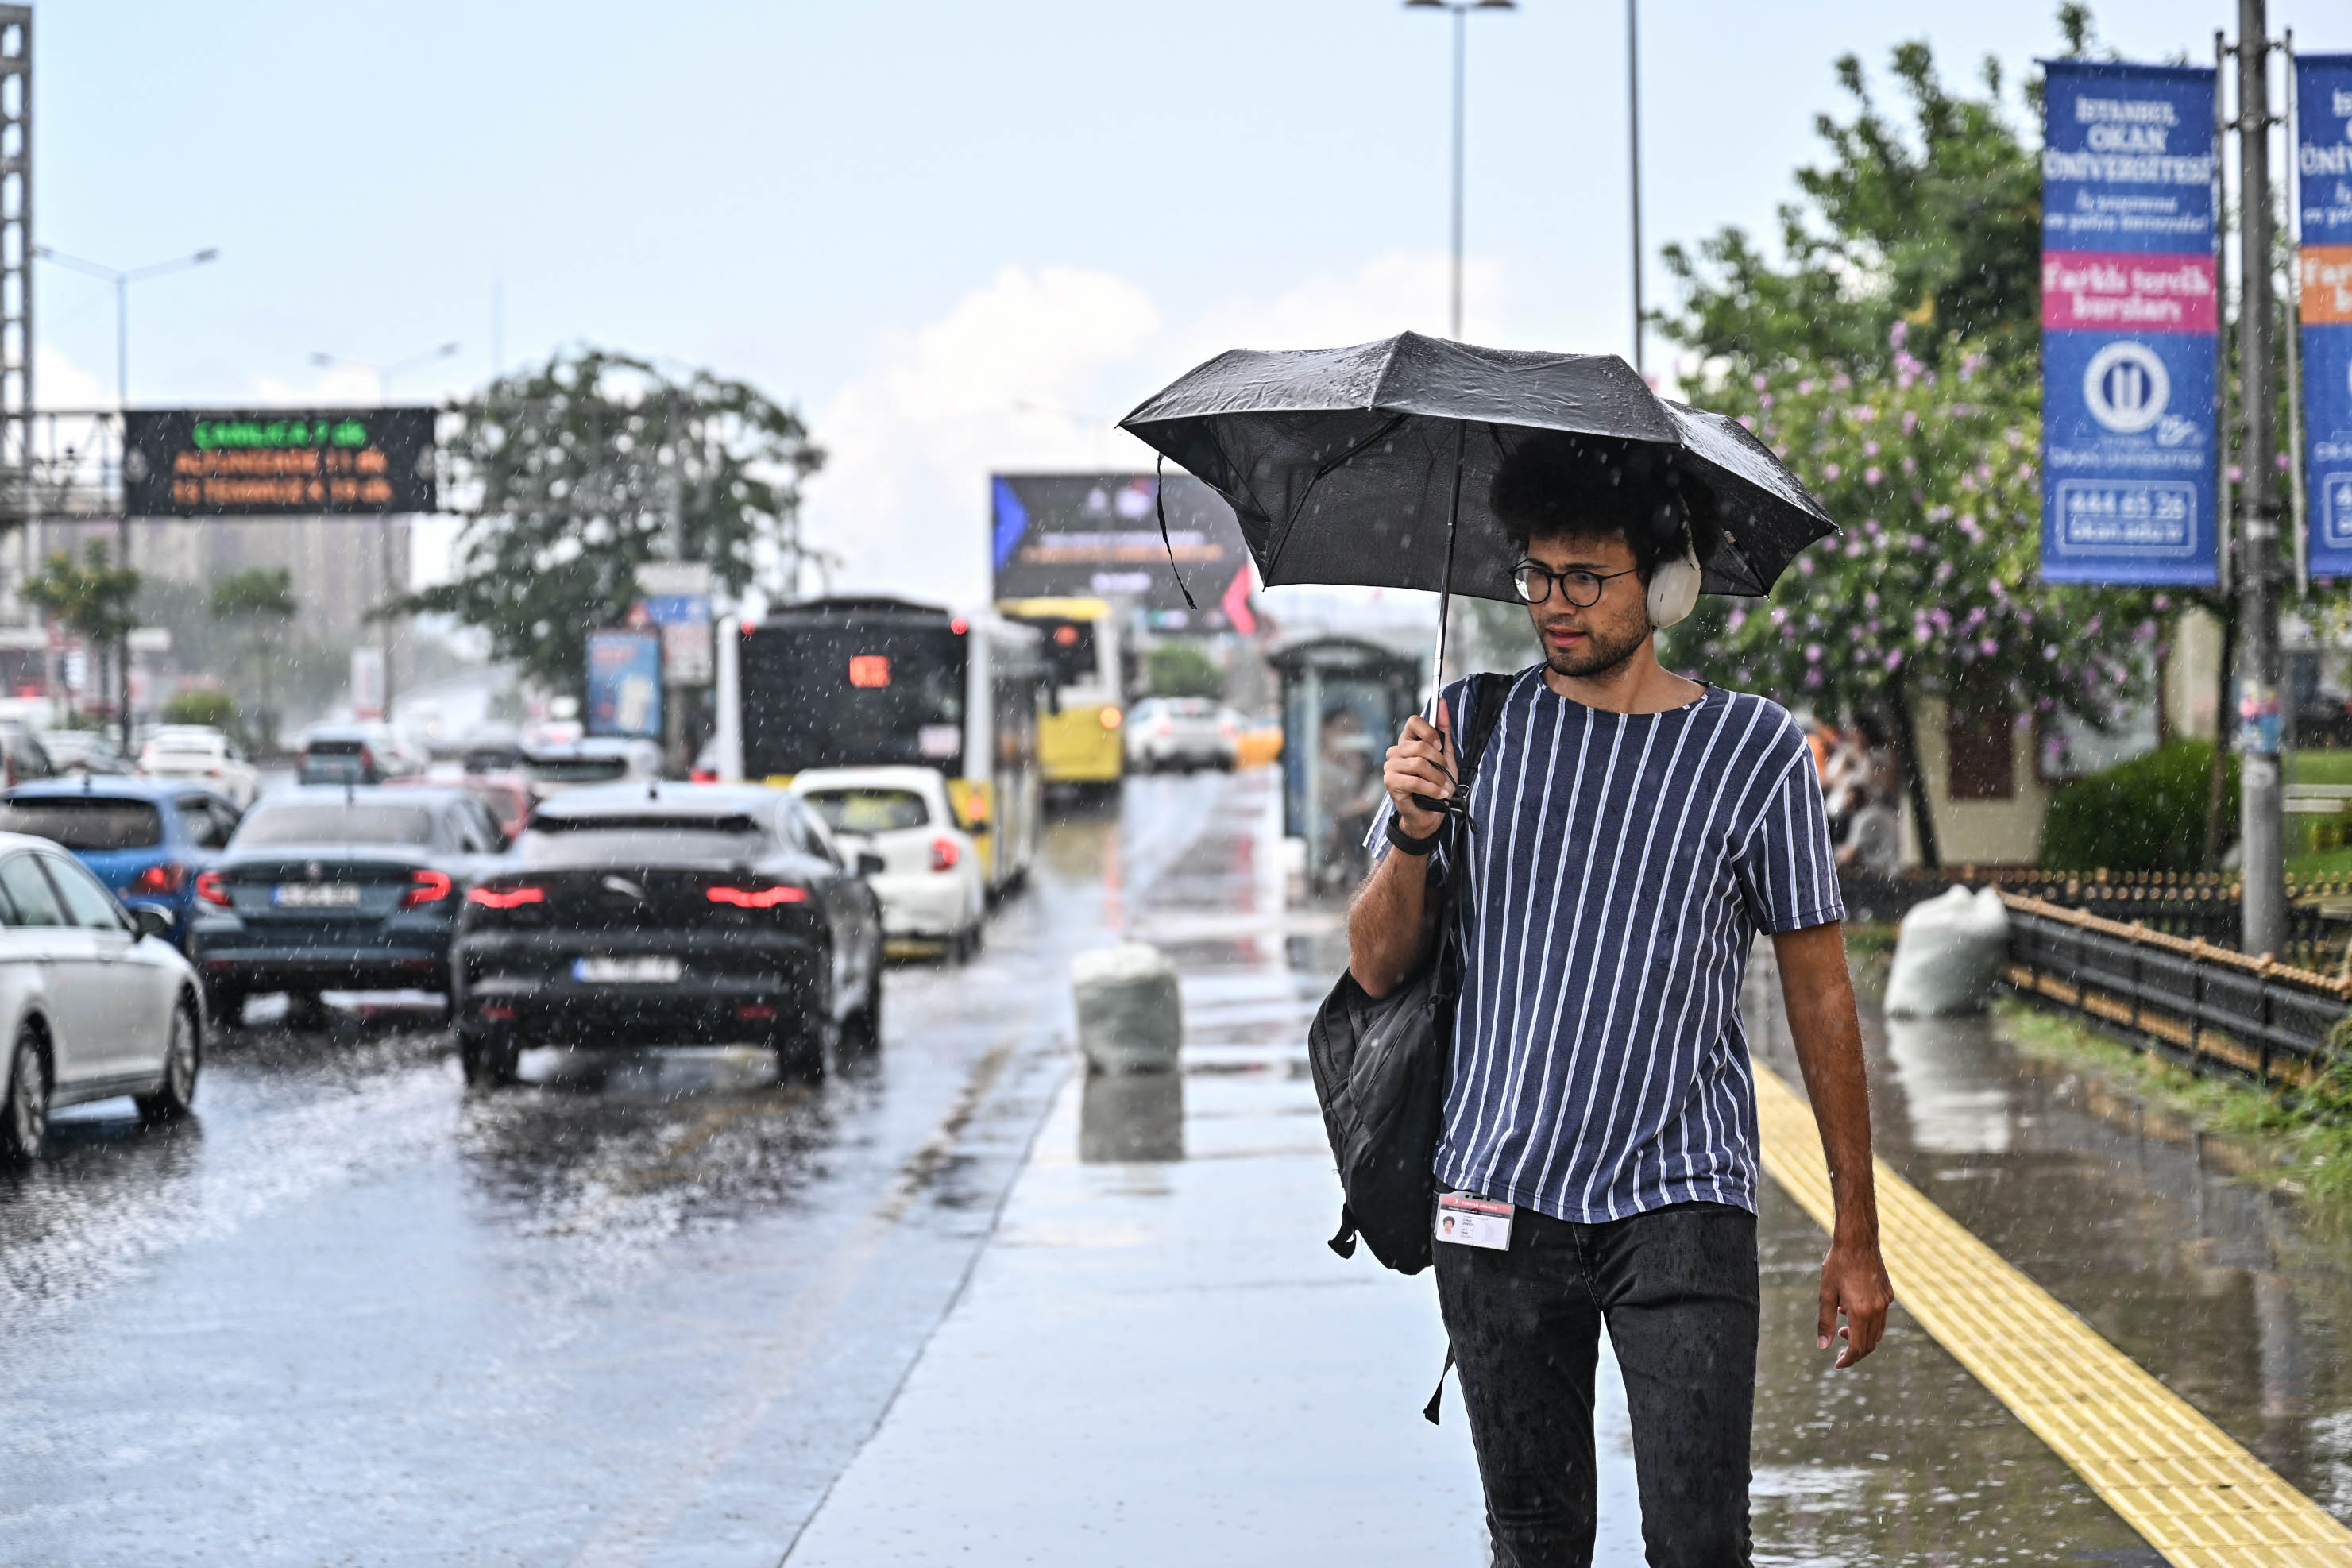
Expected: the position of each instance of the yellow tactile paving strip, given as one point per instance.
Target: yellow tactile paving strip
(2198, 1498)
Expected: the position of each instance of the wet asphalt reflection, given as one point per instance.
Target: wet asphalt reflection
(645, 1309)
(640, 1310)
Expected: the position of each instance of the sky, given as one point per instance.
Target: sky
(957, 236)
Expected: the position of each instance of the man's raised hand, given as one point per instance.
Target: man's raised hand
(1421, 764)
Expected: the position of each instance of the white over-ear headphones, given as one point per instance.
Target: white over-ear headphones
(1673, 587)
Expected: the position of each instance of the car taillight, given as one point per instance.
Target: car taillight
(945, 853)
(209, 888)
(702, 775)
(162, 879)
(1112, 718)
(425, 887)
(506, 898)
(755, 897)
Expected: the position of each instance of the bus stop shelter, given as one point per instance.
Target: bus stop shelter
(1343, 702)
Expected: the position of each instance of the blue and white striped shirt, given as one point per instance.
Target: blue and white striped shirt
(1621, 867)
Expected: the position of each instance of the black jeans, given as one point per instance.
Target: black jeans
(1678, 1288)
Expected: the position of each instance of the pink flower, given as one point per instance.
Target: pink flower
(1831, 472)
(1910, 421)
(1895, 659)
(1759, 383)
(1747, 422)
(1805, 565)
(1870, 448)
(1872, 474)
(1805, 387)
(1987, 648)
(1899, 334)
(2163, 601)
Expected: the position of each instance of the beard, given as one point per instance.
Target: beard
(1605, 647)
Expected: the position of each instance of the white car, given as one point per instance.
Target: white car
(204, 755)
(932, 885)
(1185, 732)
(598, 760)
(94, 1001)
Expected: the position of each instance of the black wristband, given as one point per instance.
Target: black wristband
(1407, 842)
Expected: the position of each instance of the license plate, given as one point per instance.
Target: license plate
(316, 895)
(644, 971)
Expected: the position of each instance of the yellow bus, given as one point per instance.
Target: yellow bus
(1078, 739)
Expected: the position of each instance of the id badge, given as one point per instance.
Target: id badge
(1474, 1221)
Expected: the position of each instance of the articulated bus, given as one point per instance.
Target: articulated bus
(1078, 741)
(868, 682)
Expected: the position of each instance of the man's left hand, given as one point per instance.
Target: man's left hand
(1855, 1283)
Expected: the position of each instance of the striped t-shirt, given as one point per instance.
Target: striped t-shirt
(1622, 866)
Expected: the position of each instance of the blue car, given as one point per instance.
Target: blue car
(148, 840)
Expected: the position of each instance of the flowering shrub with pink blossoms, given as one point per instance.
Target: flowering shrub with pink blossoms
(1932, 587)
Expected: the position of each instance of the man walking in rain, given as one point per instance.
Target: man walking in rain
(1633, 832)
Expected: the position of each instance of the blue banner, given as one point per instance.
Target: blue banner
(2129, 318)
(624, 694)
(2322, 197)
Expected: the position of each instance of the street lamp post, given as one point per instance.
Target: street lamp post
(1461, 10)
(122, 280)
(384, 374)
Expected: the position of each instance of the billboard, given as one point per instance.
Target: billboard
(2322, 197)
(1097, 536)
(625, 683)
(209, 462)
(2129, 324)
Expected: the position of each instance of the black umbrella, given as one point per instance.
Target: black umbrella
(1372, 465)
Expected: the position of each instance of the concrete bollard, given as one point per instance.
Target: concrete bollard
(1130, 1018)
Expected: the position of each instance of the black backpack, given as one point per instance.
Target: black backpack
(1380, 1063)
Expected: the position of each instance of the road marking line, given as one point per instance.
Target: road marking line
(2184, 1484)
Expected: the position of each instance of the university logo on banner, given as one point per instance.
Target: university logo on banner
(2129, 324)
(2323, 193)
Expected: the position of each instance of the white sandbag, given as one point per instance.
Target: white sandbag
(1130, 1018)
(1948, 951)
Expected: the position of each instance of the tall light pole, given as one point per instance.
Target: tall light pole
(2262, 900)
(1634, 155)
(122, 280)
(384, 374)
(1461, 10)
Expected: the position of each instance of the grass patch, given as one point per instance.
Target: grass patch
(2327, 863)
(2304, 1134)
(2319, 767)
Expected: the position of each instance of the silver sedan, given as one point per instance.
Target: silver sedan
(94, 1001)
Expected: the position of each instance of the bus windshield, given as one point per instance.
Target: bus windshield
(1068, 647)
(851, 695)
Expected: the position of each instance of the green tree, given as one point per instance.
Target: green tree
(1935, 223)
(1933, 589)
(586, 467)
(1181, 670)
(96, 599)
(213, 710)
(263, 601)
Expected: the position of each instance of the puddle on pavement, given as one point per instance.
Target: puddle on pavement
(2130, 1219)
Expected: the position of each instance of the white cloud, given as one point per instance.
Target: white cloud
(1031, 372)
(58, 382)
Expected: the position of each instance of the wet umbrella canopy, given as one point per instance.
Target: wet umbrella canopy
(1372, 465)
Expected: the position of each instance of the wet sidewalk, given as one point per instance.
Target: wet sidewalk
(1157, 1360)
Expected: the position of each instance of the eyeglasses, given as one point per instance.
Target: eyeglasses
(1580, 588)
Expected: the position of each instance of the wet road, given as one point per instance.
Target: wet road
(640, 1312)
(646, 1310)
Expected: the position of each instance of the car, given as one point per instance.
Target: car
(326, 888)
(147, 839)
(355, 754)
(933, 886)
(22, 755)
(507, 795)
(677, 914)
(202, 753)
(84, 752)
(1184, 732)
(598, 760)
(94, 1001)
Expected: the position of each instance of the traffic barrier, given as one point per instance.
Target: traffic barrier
(2205, 1003)
(1130, 1015)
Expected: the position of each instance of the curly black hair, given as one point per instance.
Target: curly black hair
(1556, 486)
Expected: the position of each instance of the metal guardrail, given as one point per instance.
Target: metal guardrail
(2197, 1000)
